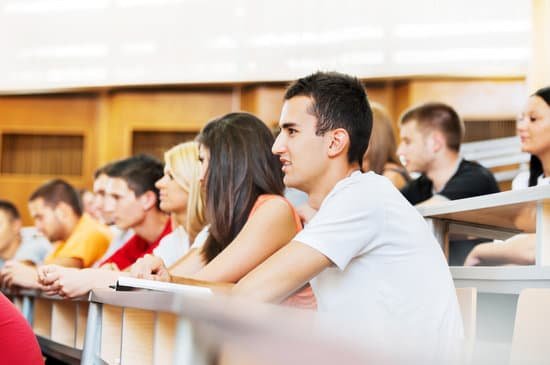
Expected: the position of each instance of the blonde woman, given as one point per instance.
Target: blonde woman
(180, 195)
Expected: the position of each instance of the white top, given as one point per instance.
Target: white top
(175, 245)
(521, 181)
(172, 246)
(389, 270)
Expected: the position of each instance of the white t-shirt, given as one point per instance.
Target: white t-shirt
(389, 271)
(175, 245)
(521, 181)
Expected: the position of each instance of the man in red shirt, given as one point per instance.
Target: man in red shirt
(133, 201)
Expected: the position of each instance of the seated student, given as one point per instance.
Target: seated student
(79, 239)
(180, 196)
(18, 344)
(367, 252)
(430, 140)
(132, 200)
(381, 156)
(17, 243)
(249, 218)
(119, 236)
(533, 127)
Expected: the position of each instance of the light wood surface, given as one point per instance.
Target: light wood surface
(42, 317)
(111, 334)
(137, 337)
(64, 322)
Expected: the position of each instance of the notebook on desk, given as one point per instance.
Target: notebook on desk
(128, 283)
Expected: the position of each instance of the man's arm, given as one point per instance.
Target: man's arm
(68, 262)
(282, 274)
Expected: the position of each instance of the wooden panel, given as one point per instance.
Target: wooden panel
(111, 334)
(265, 102)
(42, 317)
(81, 318)
(473, 99)
(479, 130)
(54, 115)
(41, 154)
(165, 334)
(64, 322)
(137, 337)
(184, 111)
(157, 143)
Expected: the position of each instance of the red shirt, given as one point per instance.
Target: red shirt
(135, 248)
(18, 345)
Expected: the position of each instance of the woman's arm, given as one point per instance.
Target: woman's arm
(517, 250)
(271, 227)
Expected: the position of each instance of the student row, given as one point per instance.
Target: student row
(363, 253)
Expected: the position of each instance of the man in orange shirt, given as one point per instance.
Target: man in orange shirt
(79, 239)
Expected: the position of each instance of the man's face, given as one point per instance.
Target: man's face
(46, 220)
(414, 149)
(303, 154)
(98, 203)
(9, 229)
(122, 204)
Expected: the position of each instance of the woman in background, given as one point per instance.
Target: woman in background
(381, 156)
(533, 127)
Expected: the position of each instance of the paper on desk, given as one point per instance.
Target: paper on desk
(130, 282)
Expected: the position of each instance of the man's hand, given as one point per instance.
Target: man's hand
(15, 273)
(150, 267)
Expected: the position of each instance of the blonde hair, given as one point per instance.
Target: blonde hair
(382, 145)
(183, 162)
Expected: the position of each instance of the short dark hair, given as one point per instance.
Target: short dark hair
(140, 172)
(439, 116)
(56, 191)
(241, 168)
(103, 170)
(10, 209)
(338, 101)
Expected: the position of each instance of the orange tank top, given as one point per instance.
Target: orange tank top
(303, 298)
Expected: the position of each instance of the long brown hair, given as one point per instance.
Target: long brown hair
(382, 147)
(240, 169)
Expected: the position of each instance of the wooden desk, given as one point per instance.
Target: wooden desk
(496, 216)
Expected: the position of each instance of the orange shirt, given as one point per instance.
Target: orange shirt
(303, 298)
(88, 241)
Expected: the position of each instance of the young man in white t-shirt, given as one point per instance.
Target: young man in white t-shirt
(368, 254)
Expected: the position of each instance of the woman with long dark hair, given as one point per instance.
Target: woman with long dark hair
(248, 216)
(533, 127)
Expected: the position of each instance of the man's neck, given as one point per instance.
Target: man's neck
(442, 169)
(324, 184)
(11, 248)
(152, 225)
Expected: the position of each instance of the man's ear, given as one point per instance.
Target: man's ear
(339, 142)
(62, 211)
(148, 200)
(438, 141)
(17, 224)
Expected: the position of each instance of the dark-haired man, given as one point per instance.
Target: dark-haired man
(18, 243)
(430, 141)
(367, 252)
(79, 239)
(132, 201)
